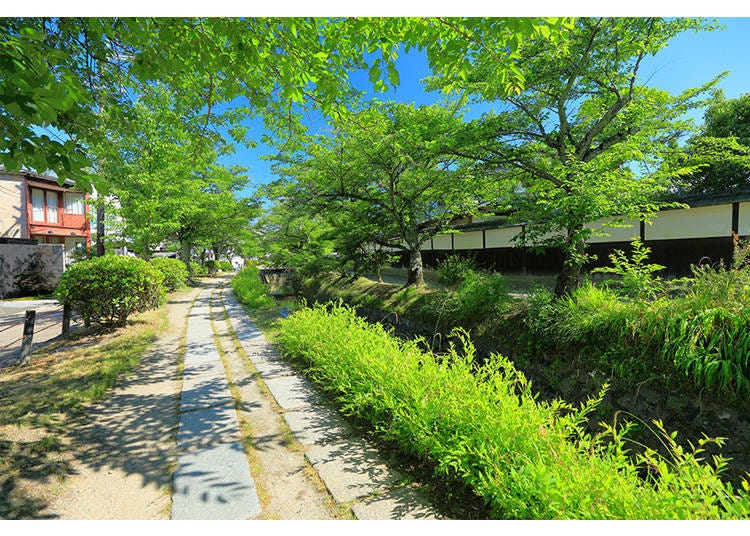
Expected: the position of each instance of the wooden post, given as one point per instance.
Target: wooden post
(28, 334)
(66, 321)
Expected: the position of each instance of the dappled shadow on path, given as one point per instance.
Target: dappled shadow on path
(134, 430)
(129, 433)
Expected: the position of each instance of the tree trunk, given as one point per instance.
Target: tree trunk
(416, 275)
(185, 248)
(575, 250)
(379, 275)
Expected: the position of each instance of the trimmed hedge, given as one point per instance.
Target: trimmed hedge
(109, 289)
(484, 427)
(174, 271)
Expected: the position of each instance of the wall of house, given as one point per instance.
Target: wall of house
(12, 206)
(43, 262)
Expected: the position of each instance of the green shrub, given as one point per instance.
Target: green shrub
(225, 266)
(637, 275)
(476, 298)
(250, 290)
(484, 428)
(454, 268)
(212, 267)
(174, 271)
(109, 289)
(83, 254)
(701, 335)
(197, 269)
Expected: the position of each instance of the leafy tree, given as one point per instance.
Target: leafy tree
(167, 181)
(214, 215)
(58, 72)
(384, 168)
(361, 247)
(721, 151)
(576, 141)
(38, 90)
(294, 238)
(149, 157)
(729, 118)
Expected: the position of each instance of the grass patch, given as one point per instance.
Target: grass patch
(250, 290)
(482, 427)
(700, 335)
(42, 402)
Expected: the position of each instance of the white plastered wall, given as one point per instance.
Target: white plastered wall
(616, 234)
(744, 227)
(695, 222)
(442, 241)
(501, 238)
(468, 240)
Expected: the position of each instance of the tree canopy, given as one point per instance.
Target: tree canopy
(720, 152)
(384, 168)
(578, 143)
(57, 72)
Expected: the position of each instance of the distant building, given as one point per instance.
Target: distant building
(37, 207)
(678, 238)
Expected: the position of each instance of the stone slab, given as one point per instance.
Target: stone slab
(399, 504)
(291, 392)
(316, 425)
(214, 484)
(273, 369)
(205, 427)
(204, 392)
(259, 353)
(199, 329)
(350, 469)
(245, 330)
(241, 324)
(196, 353)
(198, 369)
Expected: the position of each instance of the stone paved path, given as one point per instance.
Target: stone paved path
(213, 479)
(352, 470)
(238, 435)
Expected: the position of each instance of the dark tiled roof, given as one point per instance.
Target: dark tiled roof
(719, 197)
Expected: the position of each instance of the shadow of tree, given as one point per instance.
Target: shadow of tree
(131, 430)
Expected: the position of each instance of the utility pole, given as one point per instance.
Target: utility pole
(100, 228)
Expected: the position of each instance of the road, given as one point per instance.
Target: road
(48, 325)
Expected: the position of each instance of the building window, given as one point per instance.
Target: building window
(37, 202)
(52, 207)
(73, 203)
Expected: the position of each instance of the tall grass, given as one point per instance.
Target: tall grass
(482, 426)
(249, 288)
(701, 334)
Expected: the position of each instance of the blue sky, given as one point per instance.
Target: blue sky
(690, 59)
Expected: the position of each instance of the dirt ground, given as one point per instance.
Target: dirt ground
(124, 454)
